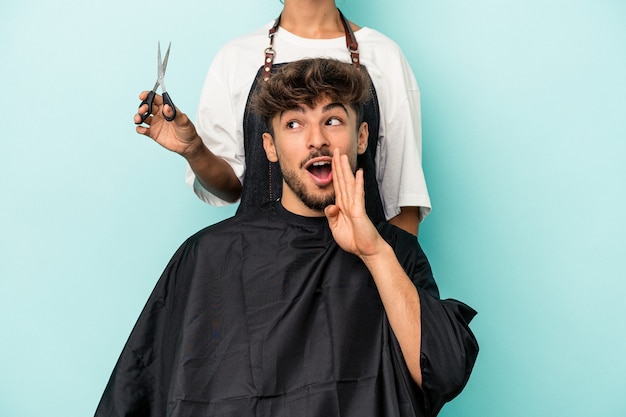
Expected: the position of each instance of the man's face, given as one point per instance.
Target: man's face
(303, 142)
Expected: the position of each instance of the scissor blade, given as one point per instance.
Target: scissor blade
(162, 65)
(167, 55)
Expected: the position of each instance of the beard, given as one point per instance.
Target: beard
(312, 201)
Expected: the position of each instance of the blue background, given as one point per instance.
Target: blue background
(524, 110)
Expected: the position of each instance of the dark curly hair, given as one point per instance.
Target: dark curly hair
(307, 82)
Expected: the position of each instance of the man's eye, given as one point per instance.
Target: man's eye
(292, 124)
(334, 121)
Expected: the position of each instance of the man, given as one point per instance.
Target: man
(301, 307)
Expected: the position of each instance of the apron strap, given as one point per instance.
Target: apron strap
(351, 44)
(269, 51)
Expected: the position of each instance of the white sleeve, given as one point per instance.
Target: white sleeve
(217, 125)
(399, 157)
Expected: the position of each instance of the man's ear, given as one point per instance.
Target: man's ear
(270, 149)
(363, 135)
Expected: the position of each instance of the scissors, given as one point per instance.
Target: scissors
(162, 66)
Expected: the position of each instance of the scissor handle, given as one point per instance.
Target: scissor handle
(167, 100)
(147, 101)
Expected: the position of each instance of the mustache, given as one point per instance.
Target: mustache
(316, 154)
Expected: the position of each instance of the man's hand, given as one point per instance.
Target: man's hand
(178, 136)
(354, 232)
(351, 227)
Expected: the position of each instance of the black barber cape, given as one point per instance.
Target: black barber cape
(264, 315)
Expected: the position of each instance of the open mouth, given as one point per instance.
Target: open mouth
(320, 169)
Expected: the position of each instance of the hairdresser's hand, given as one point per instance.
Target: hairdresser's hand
(178, 136)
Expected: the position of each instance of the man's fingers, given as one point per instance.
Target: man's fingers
(348, 188)
(338, 180)
(331, 210)
(348, 176)
(359, 187)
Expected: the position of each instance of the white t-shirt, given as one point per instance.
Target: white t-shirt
(219, 120)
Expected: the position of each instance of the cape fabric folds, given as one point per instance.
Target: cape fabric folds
(263, 315)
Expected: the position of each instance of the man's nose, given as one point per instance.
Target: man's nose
(317, 137)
